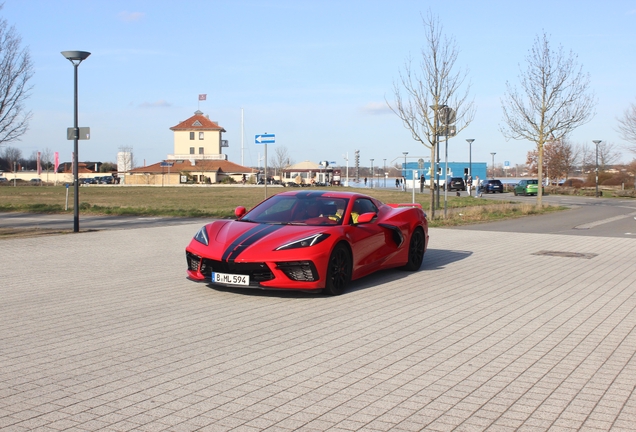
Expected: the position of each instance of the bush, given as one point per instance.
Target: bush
(574, 182)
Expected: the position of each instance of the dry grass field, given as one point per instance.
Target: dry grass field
(220, 201)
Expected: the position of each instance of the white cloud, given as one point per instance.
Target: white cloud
(131, 16)
(376, 108)
(158, 104)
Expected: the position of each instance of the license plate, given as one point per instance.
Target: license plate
(230, 279)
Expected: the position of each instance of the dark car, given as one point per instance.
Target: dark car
(492, 185)
(456, 183)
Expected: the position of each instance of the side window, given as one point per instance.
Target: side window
(191, 135)
(360, 206)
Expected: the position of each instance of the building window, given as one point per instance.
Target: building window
(191, 150)
(191, 135)
(200, 135)
(200, 150)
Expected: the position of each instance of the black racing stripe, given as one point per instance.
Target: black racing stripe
(247, 239)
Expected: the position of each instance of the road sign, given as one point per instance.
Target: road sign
(265, 139)
(84, 133)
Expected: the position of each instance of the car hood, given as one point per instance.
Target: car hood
(230, 240)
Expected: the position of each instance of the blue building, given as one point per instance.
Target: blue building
(455, 169)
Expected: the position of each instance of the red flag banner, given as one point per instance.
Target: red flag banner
(202, 96)
(39, 164)
(56, 160)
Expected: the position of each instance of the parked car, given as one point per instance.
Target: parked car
(36, 181)
(3, 179)
(527, 187)
(456, 183)
(308, 240)
(491, 185)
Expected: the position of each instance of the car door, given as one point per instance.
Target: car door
(368, 240)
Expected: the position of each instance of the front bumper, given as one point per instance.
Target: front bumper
(296, 275)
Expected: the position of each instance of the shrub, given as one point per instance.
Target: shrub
(573, 182)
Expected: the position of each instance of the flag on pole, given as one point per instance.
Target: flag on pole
(202, 96)
(56, 160)
(39, 164)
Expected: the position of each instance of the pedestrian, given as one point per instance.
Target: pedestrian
(422, 181)
(477, 186)
(469, 184)
(365, 181)
(397, 183)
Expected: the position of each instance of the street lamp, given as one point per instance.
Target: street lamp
(470, 156)
(75, 57)
(493, 164)
(404, 175)
(384, 173)
(597, 142)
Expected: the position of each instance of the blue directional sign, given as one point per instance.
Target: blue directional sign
(265, 139)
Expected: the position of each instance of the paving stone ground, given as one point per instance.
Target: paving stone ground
(102, 331)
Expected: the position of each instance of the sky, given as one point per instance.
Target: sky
(316, 73)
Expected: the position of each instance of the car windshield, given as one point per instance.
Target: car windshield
(299, 209)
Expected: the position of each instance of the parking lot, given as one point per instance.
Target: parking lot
(497, 331)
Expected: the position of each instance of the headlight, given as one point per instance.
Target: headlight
(305, 242)
(202, 236)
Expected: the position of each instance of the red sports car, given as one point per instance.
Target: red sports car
(308, 240)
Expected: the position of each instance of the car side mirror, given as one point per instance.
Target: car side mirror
(365, 218)
(240, 211)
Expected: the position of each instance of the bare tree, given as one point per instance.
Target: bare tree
(46, 159)
(627, 126)
(554, 99)
(280, 159)
(11, 155)
(607, 155)
(423, 91)
(16, 70)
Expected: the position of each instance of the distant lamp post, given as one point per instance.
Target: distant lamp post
(75, 57)
(597, 142)
(493, 164)
(470, 156)
(404, 173)
(371, 172)
(384, 173)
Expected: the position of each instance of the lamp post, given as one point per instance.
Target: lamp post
(493, 164)
(597, 142)
(404, 175)
(384, 173)
(75, 57)
(371, 172)
(470, 156)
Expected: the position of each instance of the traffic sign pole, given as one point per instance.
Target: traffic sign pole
(265, 139)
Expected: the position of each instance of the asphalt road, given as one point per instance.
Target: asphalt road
(89, 222)
(587, 216)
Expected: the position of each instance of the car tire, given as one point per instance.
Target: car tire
(339, 269)
(416, 250)
(515, 192)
